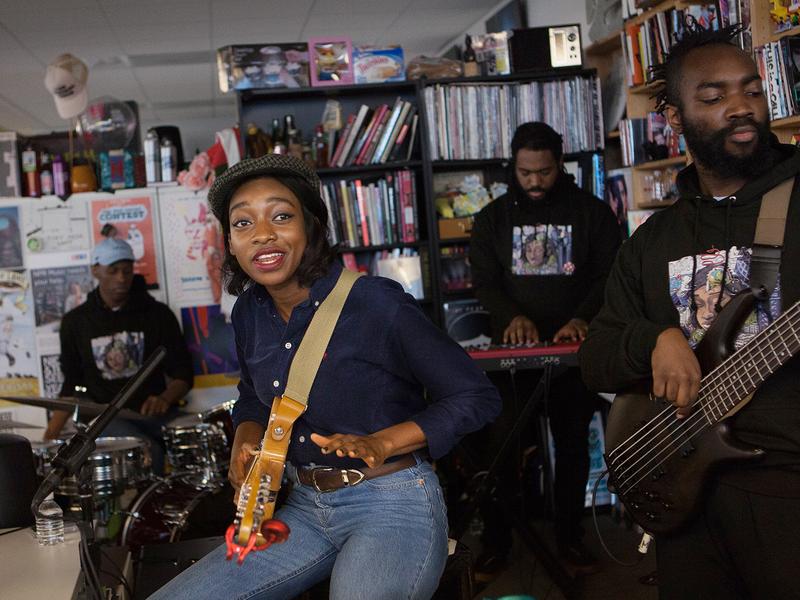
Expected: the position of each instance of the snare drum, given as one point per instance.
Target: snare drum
(117, 463)
(200, 443)
(174, 509)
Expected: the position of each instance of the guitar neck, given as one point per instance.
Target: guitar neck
(735, 379)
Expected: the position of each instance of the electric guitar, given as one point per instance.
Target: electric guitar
(658, 464)
(253, 528)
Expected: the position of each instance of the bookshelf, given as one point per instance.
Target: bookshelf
(602, 54)
(307, 105)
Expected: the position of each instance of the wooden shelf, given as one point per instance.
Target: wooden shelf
(407, 87)
(660, 164)
(787, 122)
(788, 33)
(661, 7)
(646, 88)
(341, 248)
(605, 45)
(651, 205)
(613, 135)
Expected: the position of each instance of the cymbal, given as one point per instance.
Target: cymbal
(87, 408)
(5, 424)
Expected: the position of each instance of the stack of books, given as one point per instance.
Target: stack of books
(477, 121)
(381, 211)
(779, 67)
(649, 138)
(377, 135)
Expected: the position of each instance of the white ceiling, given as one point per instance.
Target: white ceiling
(161, 53)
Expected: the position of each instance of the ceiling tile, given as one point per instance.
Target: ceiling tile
(261, 11)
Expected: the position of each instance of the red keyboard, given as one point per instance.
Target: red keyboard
(505, 358)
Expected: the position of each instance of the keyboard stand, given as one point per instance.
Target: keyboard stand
(527, 534)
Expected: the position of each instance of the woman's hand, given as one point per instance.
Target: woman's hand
(245, 445)
(372, 450)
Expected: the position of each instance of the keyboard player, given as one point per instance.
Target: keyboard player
(540, 256)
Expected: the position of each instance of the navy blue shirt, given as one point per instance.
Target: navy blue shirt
(383, 354)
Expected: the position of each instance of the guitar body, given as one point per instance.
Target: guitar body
(669, 494)
(659, 465)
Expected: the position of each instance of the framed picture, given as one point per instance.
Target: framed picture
(330, 61)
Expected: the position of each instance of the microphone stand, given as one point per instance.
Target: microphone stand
(71, 459)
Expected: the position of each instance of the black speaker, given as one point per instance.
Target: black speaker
(17, 480)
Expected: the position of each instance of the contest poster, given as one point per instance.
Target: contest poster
(130, 219)
(56, 291)
(193, 249)
(209, 337)
(18, 358)
(10, 238)
(52, 225)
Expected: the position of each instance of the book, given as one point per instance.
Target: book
(395, 131)
(387, 132)
(413, 136)
(342, 140)
(375, 126)
(352, 134)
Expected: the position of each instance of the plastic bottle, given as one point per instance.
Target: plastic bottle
(30, 167)
(46, 175)
(61, 185)
(49, 523)
(320, 147)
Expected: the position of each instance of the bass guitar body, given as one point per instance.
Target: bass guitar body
(658, 464)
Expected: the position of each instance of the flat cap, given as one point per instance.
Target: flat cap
(270, 164)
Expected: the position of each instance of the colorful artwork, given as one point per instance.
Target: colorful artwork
(193, 251)
(10, 238)
(56, 291)
(542, 250)
(18, 361)
(331, 61)
(210, 340)
(713, 279)
(118, 356)
(130, 219)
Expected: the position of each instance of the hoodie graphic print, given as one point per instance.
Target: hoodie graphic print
(541, 250)
(706, 283)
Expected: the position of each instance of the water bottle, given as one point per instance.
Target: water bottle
(49, 523)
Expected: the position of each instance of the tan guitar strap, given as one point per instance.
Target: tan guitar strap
(287, 409)
(765, 261)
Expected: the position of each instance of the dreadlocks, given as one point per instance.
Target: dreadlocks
(669, 72)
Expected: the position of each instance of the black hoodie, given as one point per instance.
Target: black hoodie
(582, 239)
(102, 348)
(650, 289)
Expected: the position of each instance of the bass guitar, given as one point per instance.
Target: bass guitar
(658, 464)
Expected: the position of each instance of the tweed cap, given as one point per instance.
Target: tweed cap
(270, 164)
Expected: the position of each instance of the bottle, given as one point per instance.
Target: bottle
(168, 161)
(61, 185)
(278, 144)
(49, 523)
(152, 157)
(46, 175)
(470, 60)
(320, 147)
(30, 166)
(82, 178)
(293, 144)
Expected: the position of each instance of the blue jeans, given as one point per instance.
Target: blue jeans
(383, 539)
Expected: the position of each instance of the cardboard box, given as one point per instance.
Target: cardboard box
(374, 64)
(254, 66)
(455, 228)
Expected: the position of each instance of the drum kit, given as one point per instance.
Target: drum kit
(136, 508)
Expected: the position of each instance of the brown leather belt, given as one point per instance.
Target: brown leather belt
(328, 479)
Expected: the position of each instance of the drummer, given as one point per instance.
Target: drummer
(106, 339)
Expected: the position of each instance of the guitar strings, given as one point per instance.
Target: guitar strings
(676, 424)
(711, 379)
(711, 402)
(737, 360)
(690, 433)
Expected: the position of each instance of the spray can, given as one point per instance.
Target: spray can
(168, 160)
(152, 157)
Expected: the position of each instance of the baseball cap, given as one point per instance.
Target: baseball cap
(66, 80)
(111, 250)
(270, 164)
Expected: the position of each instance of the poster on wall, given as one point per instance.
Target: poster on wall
(52, 225)
(129, 219)
(209, 337)
(50, 375)
(57, 290)
(18, 359)
(193, 249)
(10, 238)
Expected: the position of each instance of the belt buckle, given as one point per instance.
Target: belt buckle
(345, 474)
